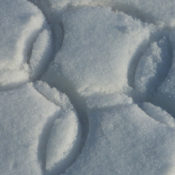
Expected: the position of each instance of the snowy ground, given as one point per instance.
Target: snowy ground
(87, 87)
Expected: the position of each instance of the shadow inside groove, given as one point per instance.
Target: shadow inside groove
(64, 85)
(162, 101)
(53, 19)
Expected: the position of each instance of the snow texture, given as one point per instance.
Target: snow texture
(154, 11)
(115, 60)
(124, 140)
(25, 115)
(97, 49)
(158, 114)
(22, 23)
(105, 100)
(41, 52)
(63, 142)
(153, 67)
(165, 97)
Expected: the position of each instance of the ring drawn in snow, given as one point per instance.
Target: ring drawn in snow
(124, 140)
(108, 61)
(158, 114)
(25, 115)
(25, 42)
(64, 137)
(63, 143)
(165, 96)
(153, 67)
(24, 53)
(97, 49)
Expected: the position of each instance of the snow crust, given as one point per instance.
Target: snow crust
(165, 96)
(63, 142)
(115, 59)
(98, 101)
(25, 115)
(22, 23)
(155, 11)
(158, 114)
(153, 67)
(41, 52)
(125, 140)
(24, 112)
(97, 49)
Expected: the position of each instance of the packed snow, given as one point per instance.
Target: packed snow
(63, 142)
(155, 11)
(123, 140)
(158, 114)
(25, 42)
(87, 87)
(98, 48)
(26, 116)
(153, 67)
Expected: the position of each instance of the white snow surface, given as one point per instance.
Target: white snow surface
(165, 95)
(105, 105)
(26, 123)
(155, 11)
(24, 34)
(98, 48)
(63, 142)
(153, 67)
(158, 114)
(123, 140)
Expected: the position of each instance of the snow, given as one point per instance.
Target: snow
(165, 97)
(153, 67)
(105, 105)
(25, 115)
(41, 52)
(97, 49)
(25, 22)
(154, 11)
(62, 148)
(12, 78)
(125, 140)
(105, 100)
(53, 95)
(158, 114)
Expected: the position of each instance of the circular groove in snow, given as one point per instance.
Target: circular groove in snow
(24, 53)
(58, 81)
(52, 139)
